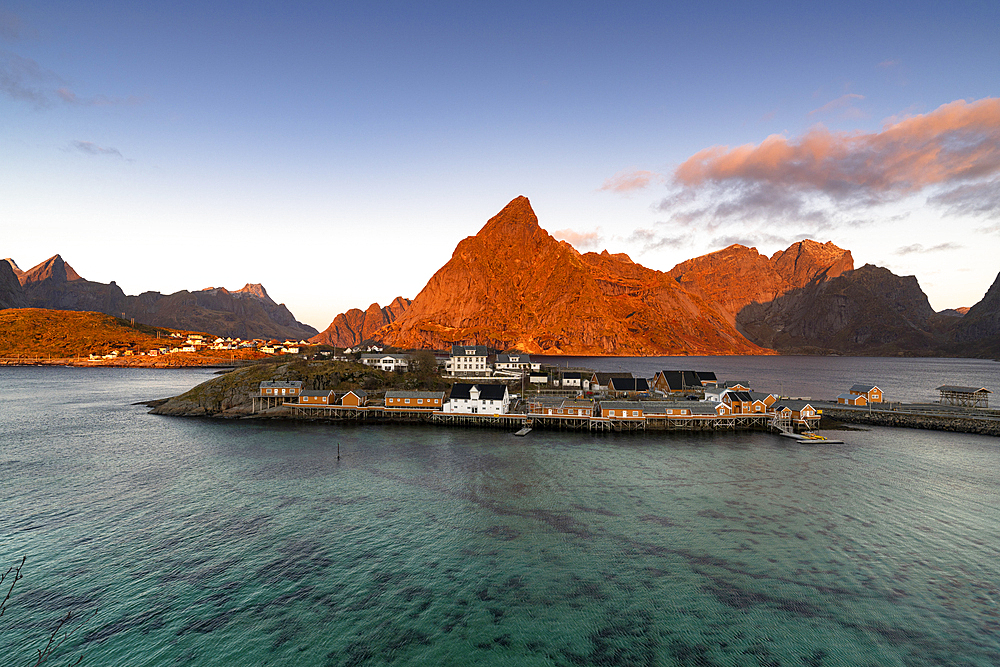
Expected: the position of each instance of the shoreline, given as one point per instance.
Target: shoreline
(123, 362)
(833, 419)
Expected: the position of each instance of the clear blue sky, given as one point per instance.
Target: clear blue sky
(338, 154)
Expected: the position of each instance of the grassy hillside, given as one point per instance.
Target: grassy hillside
(38, 332)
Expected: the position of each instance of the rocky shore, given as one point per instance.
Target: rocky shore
(954, 423)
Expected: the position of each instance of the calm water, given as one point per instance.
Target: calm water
(820, 378)
(204, 542)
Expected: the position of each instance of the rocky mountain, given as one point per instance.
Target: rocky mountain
(512, 286)
(737, 276)
(246, 313)
(979, 328)
(11, 292)
(868, 311)
(357, 326)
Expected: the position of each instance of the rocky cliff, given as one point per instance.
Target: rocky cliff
(869, 311)
(512, 286)
(979, 328)
(737, 276)
(11, 292)
(357, 326)
(246, 313)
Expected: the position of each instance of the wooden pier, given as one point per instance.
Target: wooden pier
(521, 421)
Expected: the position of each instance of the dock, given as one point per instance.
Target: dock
(810, 437)
(523, 423)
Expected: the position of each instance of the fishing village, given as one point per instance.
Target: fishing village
(514, 392)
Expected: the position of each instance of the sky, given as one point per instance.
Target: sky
(338, 154)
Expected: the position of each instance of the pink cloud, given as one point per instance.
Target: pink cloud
(957, 141)
(579, 240)
(826, 179)
(629, 181)
(844, 102)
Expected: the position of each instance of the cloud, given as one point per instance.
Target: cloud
(651, 239)
(825, 178)
(630, 181)
(579, 240)
(886, 64)
(977, 199)
(91, 148)
(24, 80)
(69, 97)
(12, 28)
(916, 248)
(755, 239)
(844, 102)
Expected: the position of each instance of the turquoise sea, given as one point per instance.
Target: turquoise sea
(176, 541)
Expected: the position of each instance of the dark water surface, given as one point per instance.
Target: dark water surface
(248, 543)
(820, 378)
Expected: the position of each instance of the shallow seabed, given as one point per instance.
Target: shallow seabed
(249, 543)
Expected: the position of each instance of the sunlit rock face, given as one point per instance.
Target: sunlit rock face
(512, 286)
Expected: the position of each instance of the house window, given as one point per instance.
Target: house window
(420, 401)
(635, 413)
(407, 401)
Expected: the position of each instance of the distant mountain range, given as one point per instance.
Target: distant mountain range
(245, 313)
(512, 286)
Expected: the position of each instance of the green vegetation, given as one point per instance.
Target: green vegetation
(230, 393)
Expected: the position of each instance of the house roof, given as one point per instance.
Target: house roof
(386, 355)
(793, 404)
(572, 375)
(864, 388)
(546, 401)
(517, 358)
(487, 392)
(360, 393)
(660, 407)
(573, 403)
(674, 380)
(469, 351)
(680, 380)
(414, 394)
(963, 390)
(707, 376)
(741, 396)
(733, 383)
(317, 392)
(628, 384)
(293, 384)
(604, 378)
(621, 405)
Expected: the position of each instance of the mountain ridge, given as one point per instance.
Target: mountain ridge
(245, 313)
(512, 286)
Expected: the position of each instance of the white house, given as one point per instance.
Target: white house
(387, 362)
(466, 360)
(516, 361)
(481, 399)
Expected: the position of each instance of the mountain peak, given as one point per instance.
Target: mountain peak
(517, 214)
(54, 270)
(255, 289)
(13, 265)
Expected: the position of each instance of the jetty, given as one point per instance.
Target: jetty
(523, 423)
